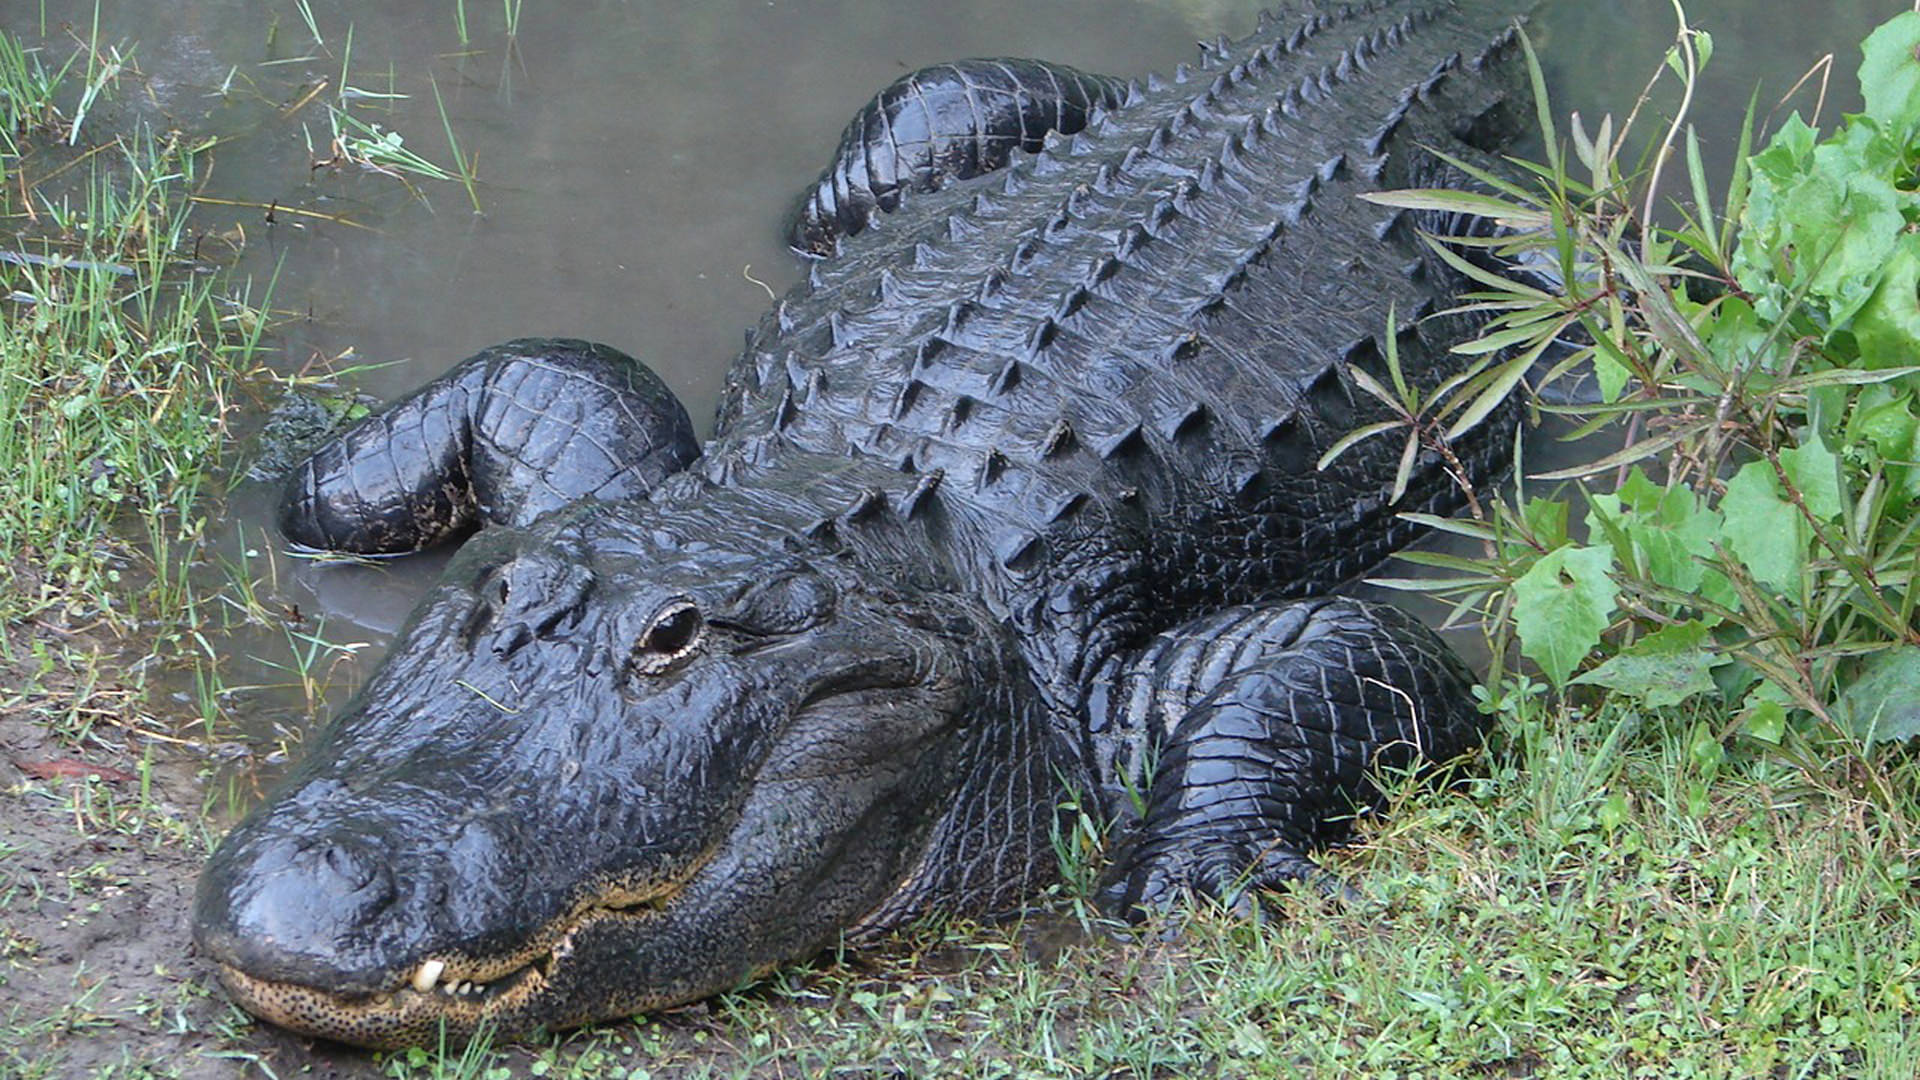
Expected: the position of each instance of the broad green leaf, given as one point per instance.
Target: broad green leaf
(1822, 217)
(1763, 710)
(1883, 703)
(1664, 668)
(1815, 473)
(1766, 721)
(1612, 375)
(1737, 336)
(1887, 329)
(1885, 420)
(1671, 534)
(1890, 72)
(1846, 221)
(1546, 521)
(1561, 607)
(1764, 530)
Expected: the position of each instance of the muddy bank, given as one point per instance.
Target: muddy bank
(102, 834)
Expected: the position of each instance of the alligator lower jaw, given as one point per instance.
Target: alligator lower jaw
(439, 999)
(405, 1016)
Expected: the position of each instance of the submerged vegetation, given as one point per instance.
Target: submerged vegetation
(1689, 850)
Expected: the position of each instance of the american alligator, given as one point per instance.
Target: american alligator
(1003, 510)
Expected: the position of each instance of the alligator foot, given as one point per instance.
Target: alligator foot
(940, 123)
(1274, 722)
(510, 433)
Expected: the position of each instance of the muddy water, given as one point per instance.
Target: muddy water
(635, 160)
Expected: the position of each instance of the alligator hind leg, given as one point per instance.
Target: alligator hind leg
(940, 123)
(1271, 724)
(509, 434)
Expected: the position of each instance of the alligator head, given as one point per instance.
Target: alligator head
(607, 768)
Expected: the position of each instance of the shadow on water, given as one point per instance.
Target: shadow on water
(634, 162)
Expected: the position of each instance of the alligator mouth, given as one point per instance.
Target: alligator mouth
(449, 994)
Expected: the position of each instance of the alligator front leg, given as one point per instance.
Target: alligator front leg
(1270, 724)
(510, 433)
(940, 123)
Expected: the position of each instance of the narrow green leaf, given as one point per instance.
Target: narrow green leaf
(1434, 585)
(1498, 390)
(1501, 339)
(1702, 198)
(1404, 475)
(1641, 450)
(1350, 439)
(1501, 285)
(1373, 389)
(1461, 202)
(1543, 111)
(1473, 530)
(1441, 561)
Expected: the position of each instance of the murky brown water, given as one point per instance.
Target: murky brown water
(636, 159)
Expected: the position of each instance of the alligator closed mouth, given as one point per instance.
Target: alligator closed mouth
(1011, 504)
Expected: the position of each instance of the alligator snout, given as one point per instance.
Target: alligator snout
(297, 901)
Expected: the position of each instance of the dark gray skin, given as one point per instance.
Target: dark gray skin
(940, 124)
(1000, 512)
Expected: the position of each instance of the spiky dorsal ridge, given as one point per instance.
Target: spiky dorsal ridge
(970, 333)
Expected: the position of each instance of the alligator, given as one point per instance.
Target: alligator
(1013, 506)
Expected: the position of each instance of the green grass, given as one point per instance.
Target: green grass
(1599, 896)
(116, 374)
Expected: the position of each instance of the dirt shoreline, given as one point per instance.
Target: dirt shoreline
(100, 846)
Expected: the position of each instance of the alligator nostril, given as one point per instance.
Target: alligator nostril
(533, 596)
(351, 867)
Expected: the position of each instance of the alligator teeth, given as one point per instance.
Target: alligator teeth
(428, 974)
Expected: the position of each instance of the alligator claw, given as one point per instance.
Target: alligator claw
(1223, 873)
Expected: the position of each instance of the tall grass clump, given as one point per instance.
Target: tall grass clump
(371, 145)
(118, 353)
(26, 93)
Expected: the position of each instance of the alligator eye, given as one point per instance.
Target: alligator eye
(674, 633)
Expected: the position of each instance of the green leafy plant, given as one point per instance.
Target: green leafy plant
(1748, 539)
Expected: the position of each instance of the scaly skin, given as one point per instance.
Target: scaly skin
(999, 508)
(939, 124)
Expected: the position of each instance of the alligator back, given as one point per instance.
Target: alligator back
(1148, 322)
